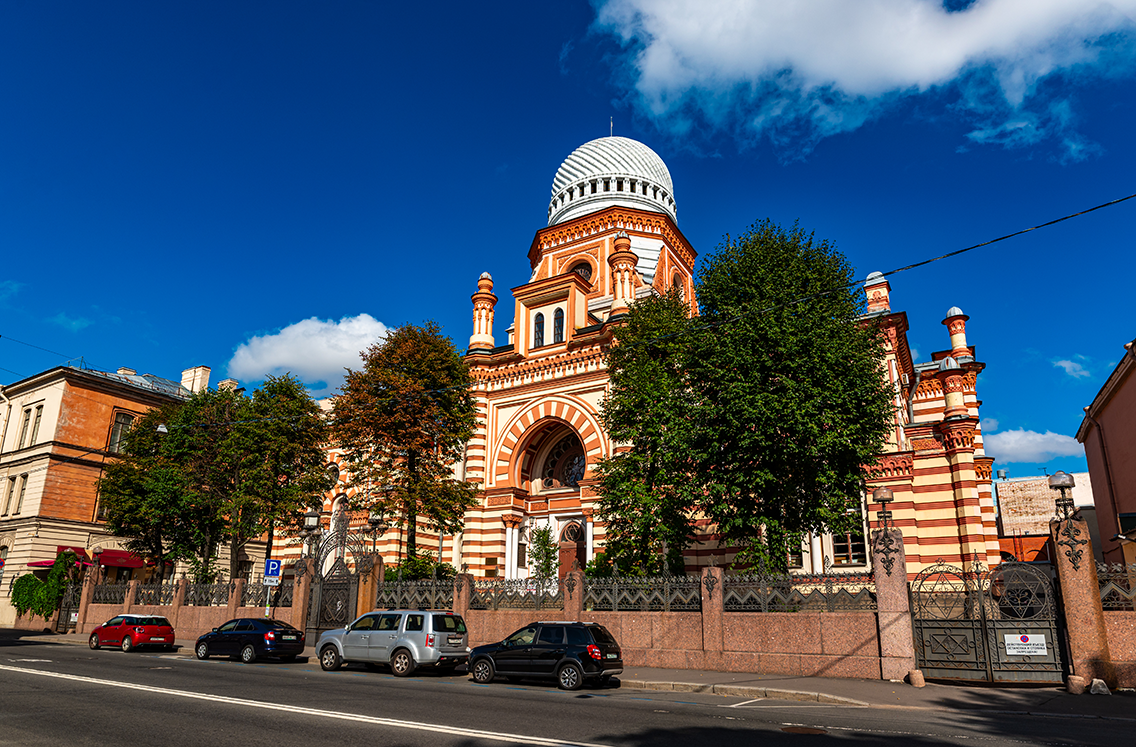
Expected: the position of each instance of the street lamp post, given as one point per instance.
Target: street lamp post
(378, 526)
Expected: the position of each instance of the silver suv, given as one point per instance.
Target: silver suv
(404, 639)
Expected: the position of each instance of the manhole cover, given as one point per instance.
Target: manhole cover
(802, 730)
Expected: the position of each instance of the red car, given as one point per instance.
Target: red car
(130, 631)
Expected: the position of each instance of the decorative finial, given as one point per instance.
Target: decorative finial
(611, 127)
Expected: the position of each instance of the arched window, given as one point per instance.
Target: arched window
(584, 270)
(538, 331)
(558, 326)
(677, 284)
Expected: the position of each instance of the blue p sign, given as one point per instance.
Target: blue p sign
(271, 567)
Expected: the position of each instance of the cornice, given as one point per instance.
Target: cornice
(643, 222)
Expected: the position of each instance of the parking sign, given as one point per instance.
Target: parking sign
(272, 568)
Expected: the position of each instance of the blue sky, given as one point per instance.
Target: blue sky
(267, 186)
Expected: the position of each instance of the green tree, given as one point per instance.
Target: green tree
(402, 422)
(420, 566)
(145, 496)
(228, 469)
(544, 555)
(646, 496)
(790, 401)
(42, 596)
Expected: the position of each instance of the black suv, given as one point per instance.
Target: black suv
(569, 652)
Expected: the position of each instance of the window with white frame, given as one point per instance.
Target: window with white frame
(538, 331)
(35, 425)
(850, 548)
(24, 428)
(558, 326)
(8, 494)
(20, 495)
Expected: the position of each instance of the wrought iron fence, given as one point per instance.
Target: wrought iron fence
(1117, 585)
(516, 594)
(156, 594)
(264, 595)
(423, 594)
(110, 594)
(643, 593)
(208, 595)
(813, 592)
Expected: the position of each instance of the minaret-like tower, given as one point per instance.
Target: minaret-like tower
(956, 326)
(623, 262)
(483, 302)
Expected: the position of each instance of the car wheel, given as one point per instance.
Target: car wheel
(482, 671)
(402, 663)
(570, 677)
(93, 641)
(202, 650)
(329, 659)
(127, 645)
(248, 654)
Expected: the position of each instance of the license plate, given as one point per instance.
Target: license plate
(157, 639)
(613, 656)
(288, 637)
(455, 641)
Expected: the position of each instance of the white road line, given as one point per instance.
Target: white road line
(744, 702)
(394, 723)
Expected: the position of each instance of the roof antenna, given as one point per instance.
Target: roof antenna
(611, 127)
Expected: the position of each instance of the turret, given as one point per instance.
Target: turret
(878, 291)
(956, 326)
(950, 374)
(483, 303)
(623, 262)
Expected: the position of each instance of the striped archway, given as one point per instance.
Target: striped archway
(529, 424)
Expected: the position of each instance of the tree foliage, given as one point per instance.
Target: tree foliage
(402, 422)
(42, 596)
(645, 492)
(420, 566)
(544, 555)
(229, 469)
(768, 405)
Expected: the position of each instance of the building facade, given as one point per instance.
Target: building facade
(613, 237)
(59, 429)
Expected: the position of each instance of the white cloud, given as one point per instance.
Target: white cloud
(73, 325)
(989, 425)
(1074, 369)
(314, 350)
(795, 71)
(1030, 446)
(9, 288)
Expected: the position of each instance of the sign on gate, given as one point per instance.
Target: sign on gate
(1025, 645)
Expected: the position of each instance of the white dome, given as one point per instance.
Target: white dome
(611, 171)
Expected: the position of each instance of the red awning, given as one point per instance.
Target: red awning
(81, 552)
(119, 559)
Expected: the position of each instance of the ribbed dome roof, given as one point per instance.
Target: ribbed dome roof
(611, 171)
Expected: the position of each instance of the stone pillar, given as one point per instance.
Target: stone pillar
(1080, 597)
(85, 598)
(369, 587)
(816, 554)
(589, 533)
(131, 592)
(511, 523)
(893, 609)
(301, 593)
(463, 586)
(573, 596)
(179, 601)
(236, 591)
(713, 611)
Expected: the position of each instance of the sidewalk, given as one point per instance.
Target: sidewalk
(979, 700)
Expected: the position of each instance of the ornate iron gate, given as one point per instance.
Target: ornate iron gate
(68, 606)
(335, 587)
(998, 626)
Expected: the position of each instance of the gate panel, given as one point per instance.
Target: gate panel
(949, 639)
(1021, 625)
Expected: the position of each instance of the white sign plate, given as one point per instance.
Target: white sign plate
(275, 581)
(1020, 644)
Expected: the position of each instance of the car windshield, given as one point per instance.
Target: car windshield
(449, 624)
(279, 625)
(601, 635)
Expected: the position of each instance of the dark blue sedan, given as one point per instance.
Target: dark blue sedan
(251, 638)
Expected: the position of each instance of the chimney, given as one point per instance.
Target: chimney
(195, 379)
(124, 371)
(228, 385)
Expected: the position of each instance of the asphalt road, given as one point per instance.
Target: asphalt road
(57, 694)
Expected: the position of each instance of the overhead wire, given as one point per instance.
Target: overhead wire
(718, 322)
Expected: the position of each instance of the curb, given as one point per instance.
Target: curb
(741, 691)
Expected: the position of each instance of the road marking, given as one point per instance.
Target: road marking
(298, 710)
(43, 660)
(738, 705)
